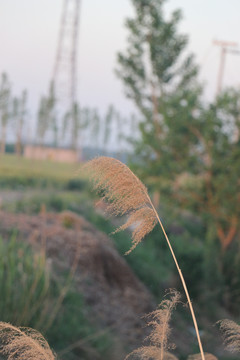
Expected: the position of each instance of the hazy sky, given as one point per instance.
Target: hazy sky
(29, 32)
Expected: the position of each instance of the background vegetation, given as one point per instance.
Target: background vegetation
(186, 151)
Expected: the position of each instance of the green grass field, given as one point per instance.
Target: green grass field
(15, 171)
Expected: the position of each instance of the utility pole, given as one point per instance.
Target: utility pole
(65, 69)
(226, 47)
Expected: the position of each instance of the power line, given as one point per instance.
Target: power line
(226, 47)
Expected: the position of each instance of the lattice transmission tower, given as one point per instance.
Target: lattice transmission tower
(65, 68)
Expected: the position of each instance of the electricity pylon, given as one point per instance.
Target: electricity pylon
(65, 68)
(226, 47)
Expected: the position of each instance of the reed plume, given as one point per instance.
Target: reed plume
(159, 321)
(23, 343)
(126, 195)
(231, 334)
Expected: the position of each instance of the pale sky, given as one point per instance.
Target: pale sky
(29, 32)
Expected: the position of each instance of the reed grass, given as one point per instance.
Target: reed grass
(125, 194)
(23, 344)
(159, 321)
(231, 335)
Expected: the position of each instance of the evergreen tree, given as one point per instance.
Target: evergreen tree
(188, 152)
(212, 192)
(213, 189)
(161, 80)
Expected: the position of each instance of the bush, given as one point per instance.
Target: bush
(76, 184)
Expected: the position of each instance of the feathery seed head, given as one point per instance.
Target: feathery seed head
(23, 343)
(160, 319)
(231, 334)
(158, 338)
(125, 194)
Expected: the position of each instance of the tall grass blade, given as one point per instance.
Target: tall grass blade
(126, 195)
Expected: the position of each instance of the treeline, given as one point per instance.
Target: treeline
(74, 128)
(13, 114)
(83, 126)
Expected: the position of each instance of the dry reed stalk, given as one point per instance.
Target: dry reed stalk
(231, 334)
(23, 343)
(126, 194)
(159, 321)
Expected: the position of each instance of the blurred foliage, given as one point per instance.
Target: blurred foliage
(56, 201)
(24, 282)
(47, 116)
(188, 152)
(5, 103)
(30, 294)
(17, 173)
(19, 114)
(13, 114)
(151, 261)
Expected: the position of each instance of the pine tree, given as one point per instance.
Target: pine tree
(161, 80)
(188, 151)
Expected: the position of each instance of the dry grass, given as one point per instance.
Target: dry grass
(23, 343)
(231, 334)
(125, 194)
(159, 336)
(12, 166)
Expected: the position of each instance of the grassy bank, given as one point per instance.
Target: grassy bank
(18, 172)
